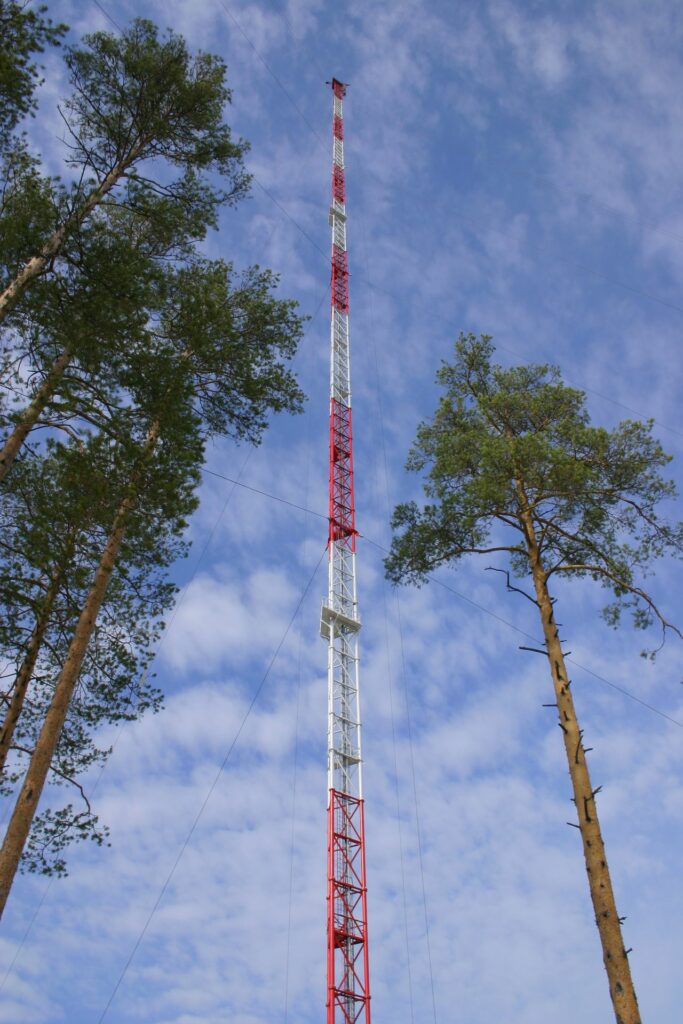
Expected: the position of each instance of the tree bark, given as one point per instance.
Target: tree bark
(37, 264)
(25, 673)
(31, 413)
(614, 955)
(27, 802)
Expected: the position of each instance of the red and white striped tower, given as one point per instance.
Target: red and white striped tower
(348, 980)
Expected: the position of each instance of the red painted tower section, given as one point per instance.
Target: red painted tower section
(348, 978)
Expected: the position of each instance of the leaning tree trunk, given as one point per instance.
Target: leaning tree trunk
(52, 247)
(25, 673)
(29, 416)
(607, 919)
(27, 802)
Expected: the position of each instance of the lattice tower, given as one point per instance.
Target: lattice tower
(348, 980)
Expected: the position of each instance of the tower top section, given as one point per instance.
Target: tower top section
(339, 88)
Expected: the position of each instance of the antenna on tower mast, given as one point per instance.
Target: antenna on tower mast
(348, 978)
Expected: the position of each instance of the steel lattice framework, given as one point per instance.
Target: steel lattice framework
(348, 980)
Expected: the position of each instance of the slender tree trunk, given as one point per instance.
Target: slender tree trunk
(37, 264)
(607, 919)
(25, 673)
(27, 802)
(31, 413)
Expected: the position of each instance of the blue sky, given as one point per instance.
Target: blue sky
(515, 169)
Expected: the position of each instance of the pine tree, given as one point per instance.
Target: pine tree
(24, 33)
(514, 466)
(56, 512)
(125, 350)
(214, 362)
(139, 106)
(67, 347)
(150, 468)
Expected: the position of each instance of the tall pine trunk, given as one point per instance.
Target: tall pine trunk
(27, 802)
(29, 417)
(52, 247)
(614, 954)
(25, 673)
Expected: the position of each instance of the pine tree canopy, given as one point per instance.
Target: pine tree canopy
(508, 441)
(140, 96)
(24, 32)
(143, 124)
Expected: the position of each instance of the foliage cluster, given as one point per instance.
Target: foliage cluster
(124, 349)
(504, 441)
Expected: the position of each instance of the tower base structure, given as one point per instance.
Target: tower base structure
(348, 996)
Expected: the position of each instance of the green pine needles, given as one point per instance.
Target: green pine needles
(504, 440)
